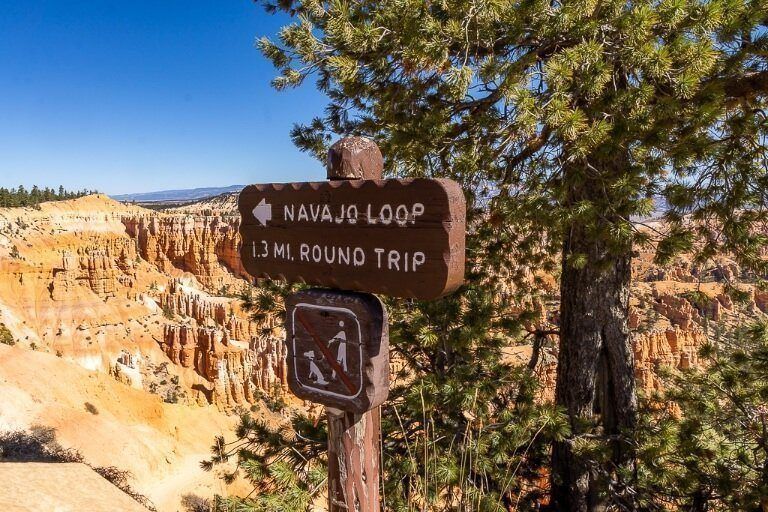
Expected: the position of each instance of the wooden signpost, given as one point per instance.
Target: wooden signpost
(403, 238)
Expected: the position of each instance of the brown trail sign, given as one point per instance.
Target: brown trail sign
(338, 349)
(397, 237)
(403, 238)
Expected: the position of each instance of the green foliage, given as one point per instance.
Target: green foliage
(707, 447)
(461, 430)
(287, 470)
(224, 291)
(461, 424)
(15, 253)
(36, 445)
(168, 313)
(739, 296)
(194, 503)
(527, 102)
(275, 401)
(558, 120)
(6, 336)
(265, 304)
(21, 197)
(698, 300)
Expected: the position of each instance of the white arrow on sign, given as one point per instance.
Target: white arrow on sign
(263, 212)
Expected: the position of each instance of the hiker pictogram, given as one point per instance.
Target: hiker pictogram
(328, 340)
(341, 353)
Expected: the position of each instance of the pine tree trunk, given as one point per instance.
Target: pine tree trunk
(595, 375)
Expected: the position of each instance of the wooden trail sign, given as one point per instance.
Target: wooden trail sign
(338, 349)
(402, 237)
(357, 232)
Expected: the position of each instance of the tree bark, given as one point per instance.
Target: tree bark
(595, 374)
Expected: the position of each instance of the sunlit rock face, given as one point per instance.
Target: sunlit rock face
(674, 348)
(675, 310)
(112, 287)
(205, 246)
(72, 283)
(105, 268)
(222, 345)
(235, 369)
(91, 278)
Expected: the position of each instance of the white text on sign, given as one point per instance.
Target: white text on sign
(400, 214)
(385, 259)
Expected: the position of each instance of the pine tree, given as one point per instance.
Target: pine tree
(563, 121)
(461, 429)
(6, 336)
(20, 197)
(704, 443)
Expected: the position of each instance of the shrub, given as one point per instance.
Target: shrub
(274, 400)
(195, 503)
(37, 445)
(119, 479)
(91, 408)
(709, 451)
(6, 337)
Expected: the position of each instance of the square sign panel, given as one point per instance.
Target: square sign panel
(338, 349)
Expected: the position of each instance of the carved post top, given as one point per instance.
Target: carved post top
(354, 158)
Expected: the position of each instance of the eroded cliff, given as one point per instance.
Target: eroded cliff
(111, 287)
(205, 246)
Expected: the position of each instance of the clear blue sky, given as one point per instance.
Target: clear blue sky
(144, 95)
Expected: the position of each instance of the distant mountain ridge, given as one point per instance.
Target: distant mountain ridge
(190, 194)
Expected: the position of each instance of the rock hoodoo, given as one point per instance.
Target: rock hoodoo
(236, 370)
(205, 246)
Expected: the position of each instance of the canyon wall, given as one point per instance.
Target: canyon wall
(222, 345)
(236, 370)
(93, 279)
(120, 289)
(205, 246)
(104, 266)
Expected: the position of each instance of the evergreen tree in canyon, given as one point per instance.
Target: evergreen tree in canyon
(713, 457)
(565, 122)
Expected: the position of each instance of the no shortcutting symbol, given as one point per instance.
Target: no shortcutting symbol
(338, 351)
(263, 212)
(338, 364)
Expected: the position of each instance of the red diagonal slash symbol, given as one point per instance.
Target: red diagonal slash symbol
(327, 353)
